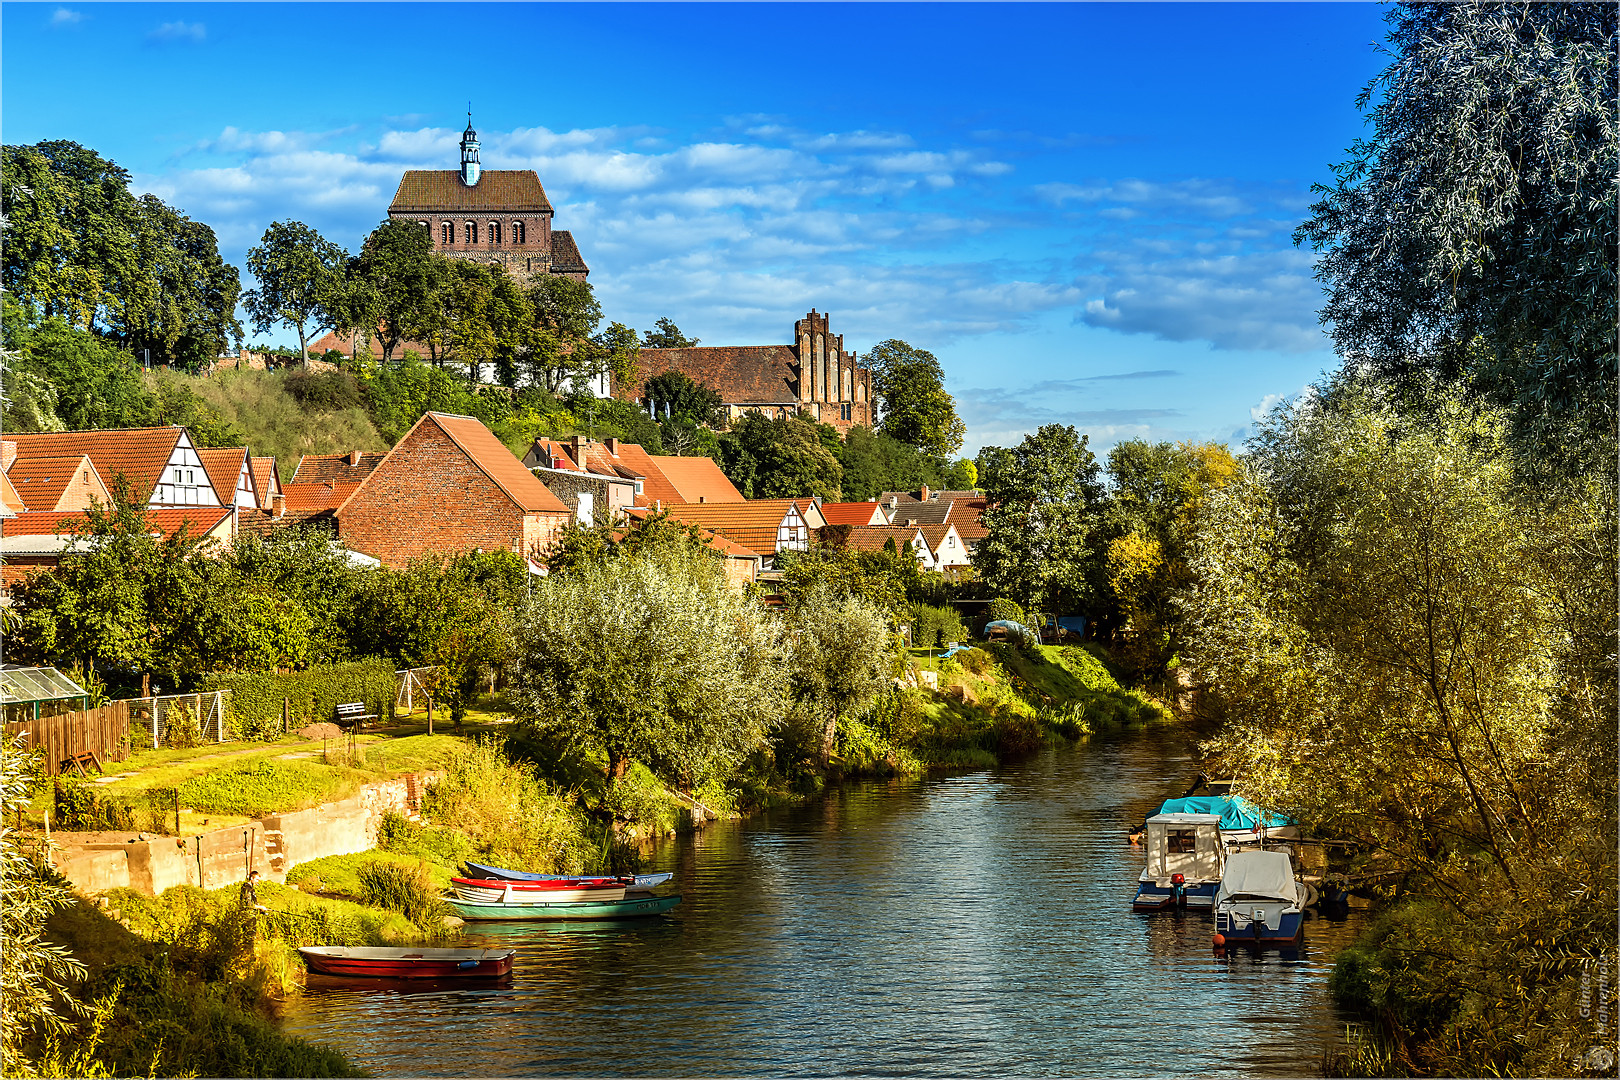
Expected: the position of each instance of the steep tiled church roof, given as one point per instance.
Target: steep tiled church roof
(565, 256)
(741, 373)
(497, 189)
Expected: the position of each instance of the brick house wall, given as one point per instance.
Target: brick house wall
(607, 496)
(429, 497)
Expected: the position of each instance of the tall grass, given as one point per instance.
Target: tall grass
(405, 889)
(258, 403)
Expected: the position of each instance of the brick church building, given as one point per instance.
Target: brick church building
(500, 217)
(813, 375)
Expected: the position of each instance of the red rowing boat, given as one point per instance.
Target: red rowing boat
(394, 963)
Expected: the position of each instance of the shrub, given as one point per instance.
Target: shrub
(1002, 608)
(324, 391)
(508, 811)
(256, 699)
(977, 661)
(932, 626)
(265, 787)
(181, 729)
(407, 890)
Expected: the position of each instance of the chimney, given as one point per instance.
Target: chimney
(278, 506)
(354, 457)
(8, 453)
(924, 494)
(703, 498)
(579, 443)
(612, 445)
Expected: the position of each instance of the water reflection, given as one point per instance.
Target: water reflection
(974, 925)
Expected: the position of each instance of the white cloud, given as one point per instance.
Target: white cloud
(194, 33)
(66, 17)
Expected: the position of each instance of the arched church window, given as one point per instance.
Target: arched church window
(495, 232)
(447, 233)
(518, 233)
(425, 225)
(472, 232)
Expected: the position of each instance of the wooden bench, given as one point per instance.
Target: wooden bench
(79, 761)
(352, 715)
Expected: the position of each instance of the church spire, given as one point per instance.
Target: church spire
(469, 153)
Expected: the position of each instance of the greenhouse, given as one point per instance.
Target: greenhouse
(30, 693)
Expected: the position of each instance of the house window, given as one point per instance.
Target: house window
(494, 233)
(472, 232)
(447, 234)
(191, 476)
(519, 233)
(639, 487)
(179, 477)
(845, 412)
(1180, 841)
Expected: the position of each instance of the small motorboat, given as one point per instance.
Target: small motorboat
(561, 891)
(1260, 902)
(1184, 860)
(1242, 822)
(627, 908)
(378, 962)
(641, 882)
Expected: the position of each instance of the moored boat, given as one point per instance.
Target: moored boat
(626, 908)
(1184, 861)
(1242, 822)
(1259, 901)
(640, 882)
(563, 891)
(379, 962)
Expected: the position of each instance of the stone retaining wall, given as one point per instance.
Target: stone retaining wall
(95, 862)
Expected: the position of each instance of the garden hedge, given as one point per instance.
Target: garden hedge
(256, 699)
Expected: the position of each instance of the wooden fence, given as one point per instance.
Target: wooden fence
(103, 732)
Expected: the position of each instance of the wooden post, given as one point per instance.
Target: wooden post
(146, 684)
(286, 708)
(430, 714)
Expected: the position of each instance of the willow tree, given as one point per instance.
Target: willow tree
(1473, 235)
(843, 654)
(653, 658)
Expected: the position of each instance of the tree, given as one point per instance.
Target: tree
(910, 388)
(676, 394)
(566, 315)
(842, 656)
(400, 272)
(1045, 503)
(653, 658)
(887, 580)
(666, 336)
(963, 475)
(780, 458)
(874, 463)
(1473, 236)
(301, 282)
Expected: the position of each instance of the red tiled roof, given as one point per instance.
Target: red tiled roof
(565, 256)
(326, 495)
(262, 522)
(968, 517)
(513, 190)
(657, 488)
(138, 453)
(546, 453)
(935, 534)
(752, 524)
(164, 519)
(853, 513)
(491, 455)
(697, 479)
(873, 537)
(224, 468)
(317, 468)
(743, 374)
(40, 481)
(720, 543)
(921, 513)
(266, 481)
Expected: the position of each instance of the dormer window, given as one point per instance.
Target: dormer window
(640, 488)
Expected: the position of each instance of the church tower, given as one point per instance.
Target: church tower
(469, 154)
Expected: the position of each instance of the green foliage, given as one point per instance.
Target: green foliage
(301, 282)
(392, 282)
(842, 655)
(1002, 608)
(1045, 503)
(324, 391)
(963, 475)
(654, 658)
(884, 579)
(933, 627)
(313, 693)
(181, 729)
(910, 388)
(666, 336)
(265, 787)
(508, 811)
(877, 462)
(1472, 236)
(778, 459)
(32, 971)
(640, 799)
(30, 402)
(407, 890)
(81, 247)
(266, 408)
(400, 393)
(677, 395)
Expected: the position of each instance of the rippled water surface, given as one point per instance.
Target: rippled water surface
(973, 925)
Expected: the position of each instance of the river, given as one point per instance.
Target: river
(978, 924)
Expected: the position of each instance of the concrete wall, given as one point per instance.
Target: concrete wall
(95, 862)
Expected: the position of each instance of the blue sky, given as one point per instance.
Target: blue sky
(1083, 210)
